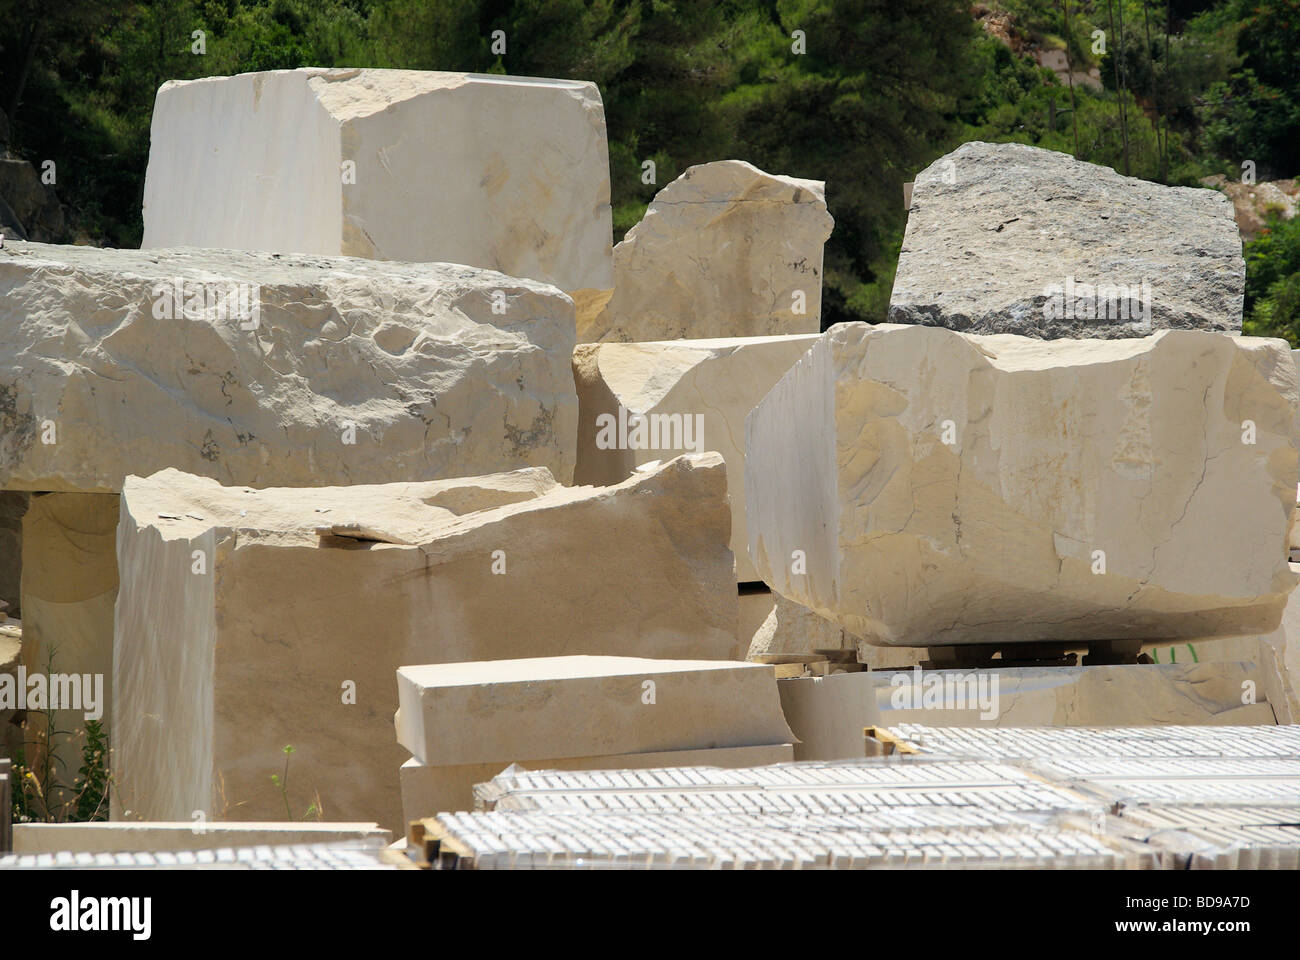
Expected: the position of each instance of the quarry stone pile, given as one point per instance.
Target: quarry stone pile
(643, 402)
(503, 173)
(261, 369)
(1008, 238)
(247, 618)
(381, 462)
(923, 487)
(725, 250)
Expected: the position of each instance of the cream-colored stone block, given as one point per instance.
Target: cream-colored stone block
(642, 402)
(428, 790)
(292, 632)
(725, 250)
(505, 173)
(924, 487)
(587, 706)
(119, 362)
(827, 714)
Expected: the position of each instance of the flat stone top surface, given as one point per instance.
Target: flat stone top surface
(532, 669)
(350, 92)
(1012, 352)
(204, 265)
(183, 505)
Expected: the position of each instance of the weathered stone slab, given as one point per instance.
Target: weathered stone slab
(525, 709)
(260, 369)
(285, 636)
(504, 173)
(131, 836)
(643, 402)
(923, 487)
(1008, 238)
(428, 790)
(725, 250)
(827, 714)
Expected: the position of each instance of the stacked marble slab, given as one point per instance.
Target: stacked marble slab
(1101, 798)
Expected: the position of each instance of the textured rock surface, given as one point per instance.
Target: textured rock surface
(526, 709)
(689, 390)
(720, 252)
(33, 204)
(433, 382)
(506, 173)
(1276, 654)
(993, 226)
(793, 629)
(427, 790)
(1057, 450)
(215, 672)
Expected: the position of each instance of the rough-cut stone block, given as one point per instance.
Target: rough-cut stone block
(428, 790)
(1005, 238)
(506, 710)
(641, 402)
(216, 671)
(289, 370)
(506, 173)
(923, 487)
(725, 250)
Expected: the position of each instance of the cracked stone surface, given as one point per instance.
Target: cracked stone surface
(504, 173)
(945, 488)
(105, 371)
(720, 252)
(702, 387)
(214, 672)
(992, 227)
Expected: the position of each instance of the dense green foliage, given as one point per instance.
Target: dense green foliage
(882, 88)
(1273, 281)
